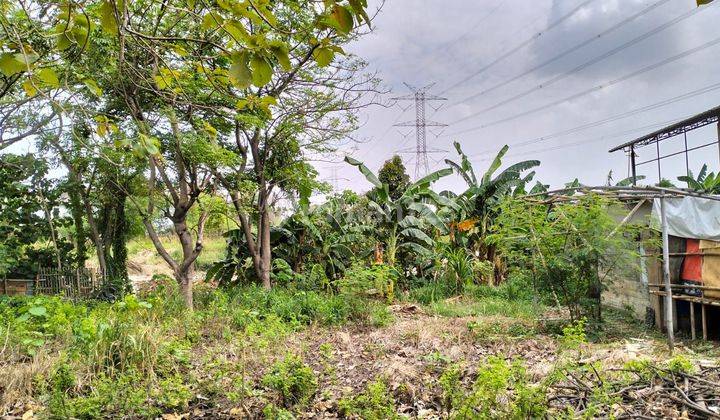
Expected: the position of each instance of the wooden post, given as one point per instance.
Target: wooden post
(666, 276)
(77, 284)
(704, 322)
(692, 320)
(5, 289)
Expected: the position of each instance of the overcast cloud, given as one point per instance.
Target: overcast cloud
(445, 41)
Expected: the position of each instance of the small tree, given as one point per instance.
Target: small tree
(571, 250)
(393, 174)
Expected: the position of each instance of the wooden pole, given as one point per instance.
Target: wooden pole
(704, 322)
(692, 320)
(666, 276)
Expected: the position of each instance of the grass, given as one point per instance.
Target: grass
(282, 353)
(490, 306)
(213, 251)
(99, 359)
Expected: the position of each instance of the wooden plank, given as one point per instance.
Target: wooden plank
(685, 286)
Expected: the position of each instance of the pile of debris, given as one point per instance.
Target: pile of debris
(647, 392)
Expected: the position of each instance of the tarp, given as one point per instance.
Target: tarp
(689, 217)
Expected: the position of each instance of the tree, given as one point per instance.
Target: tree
(569, 251)
(30, 220)
(225, 92)
(393, 174)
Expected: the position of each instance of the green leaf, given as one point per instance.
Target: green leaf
(240, 74)
(211, 21)
(107, 18)
(11, 64)
(495, 164)
(236, 30)
(282, 56)
(365, 171)
(358, 7)
(323, 56)
(417, 248)
(261, 71)
(417, 234)
(37, 311)
(48, 77)
(342, 16)
(93, 87)
(429, 216)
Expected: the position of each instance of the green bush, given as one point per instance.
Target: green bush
(292, 379)
(375, 403)
(500, 390)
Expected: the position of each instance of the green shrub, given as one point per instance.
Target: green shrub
(680, 364)
(292, 379)
(500, 390)
(376, 280)
(375, 403)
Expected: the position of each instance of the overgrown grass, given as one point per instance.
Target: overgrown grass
(131, 357)
(509, 299)
(213, 250)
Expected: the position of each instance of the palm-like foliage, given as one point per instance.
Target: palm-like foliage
(479, 203)
(403, 221)
(705, 182)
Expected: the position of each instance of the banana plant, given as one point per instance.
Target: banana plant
(705, 182)
(479, 203)
(404, 221)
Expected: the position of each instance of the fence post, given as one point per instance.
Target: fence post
(77, 283)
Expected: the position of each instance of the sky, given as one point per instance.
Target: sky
(608, 59)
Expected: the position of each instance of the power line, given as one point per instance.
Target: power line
(567, 52)
(420, 97)
(598, 87)
(442, 47)
(520, 46)
(585, 65)
(620, 116)
(581, 142)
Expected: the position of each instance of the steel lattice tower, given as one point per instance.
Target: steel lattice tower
(421, 97)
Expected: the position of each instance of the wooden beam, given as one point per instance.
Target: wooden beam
(627, 218)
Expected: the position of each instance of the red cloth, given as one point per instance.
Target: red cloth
(692, 267)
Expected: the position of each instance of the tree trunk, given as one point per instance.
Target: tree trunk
(185, 272)
(265, 249)
(186, 286)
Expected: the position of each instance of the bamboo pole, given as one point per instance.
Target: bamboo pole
(666, 276)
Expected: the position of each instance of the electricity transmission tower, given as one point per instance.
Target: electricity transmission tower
(421, 97)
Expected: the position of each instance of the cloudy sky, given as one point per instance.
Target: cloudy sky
(606, 61)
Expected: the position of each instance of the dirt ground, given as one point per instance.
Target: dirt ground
(411, 353)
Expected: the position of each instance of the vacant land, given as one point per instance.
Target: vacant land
(291, 353)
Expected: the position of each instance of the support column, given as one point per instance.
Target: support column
(692, 320)
(633, 166)
(669, 313)
(704, 323)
